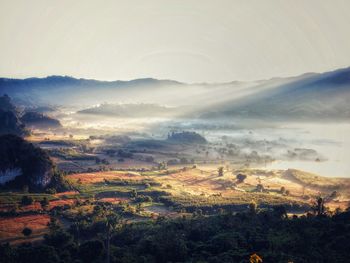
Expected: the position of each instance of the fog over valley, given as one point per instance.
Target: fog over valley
(174, 131)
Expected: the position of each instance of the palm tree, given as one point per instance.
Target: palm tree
(112, 223)
(318, 207)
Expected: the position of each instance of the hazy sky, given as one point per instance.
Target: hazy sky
(185, 40)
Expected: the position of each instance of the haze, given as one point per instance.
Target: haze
(189, 41)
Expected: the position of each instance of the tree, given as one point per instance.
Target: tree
(241, 177)
(253, 207)
(58, 239)
(334, 195)
(283, 190)
(162, 166)
(112, 223)
(44, 203)
(53, 225)
(221, 171)
(33, 254)
(98, 210)
(138, 208)
(133, 193)
(318, 206)
(26, 200)
(197, 213)
(280, 211)
(260, 188)
(91, 250)
(76, 228)
(27, 231)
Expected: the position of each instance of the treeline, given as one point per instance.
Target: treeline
(215, 239)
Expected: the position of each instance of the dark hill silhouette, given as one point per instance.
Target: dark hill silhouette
(32, 165)
(39, 120)
(9, 119)
(312, 96)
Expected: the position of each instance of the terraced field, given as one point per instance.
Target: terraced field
(142, 195)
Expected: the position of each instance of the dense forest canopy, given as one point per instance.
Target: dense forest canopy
(214, 239)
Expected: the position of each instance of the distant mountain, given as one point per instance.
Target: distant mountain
(61, 90)
(39, 120)
(311, 96)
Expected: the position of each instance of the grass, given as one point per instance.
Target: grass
(15, 197)
(312, 180)
(246, 198)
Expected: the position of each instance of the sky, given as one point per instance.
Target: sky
(185, 40)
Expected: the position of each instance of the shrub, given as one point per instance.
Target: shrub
(90, 250)
(44, 203)
(241, 177)
(27, 200)
(27, 231)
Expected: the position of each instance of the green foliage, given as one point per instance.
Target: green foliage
(133, 193)
(27, 200)
(143, 198)
(71, 154)
(89, 251)
(58, 238)
(44, 203)
(29, 254)
(241, 177)
(27, 231)
(58, 182)
(34, 163)
(222, 238)
(211, 204)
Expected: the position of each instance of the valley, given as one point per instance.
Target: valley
(148, 164)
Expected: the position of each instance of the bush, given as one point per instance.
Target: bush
(58, 238)
(27, 200)
(34, 163)
(90, 250)
(44, 203)
(241, 177)
(143, 198)
(58, 182)
(27, 231)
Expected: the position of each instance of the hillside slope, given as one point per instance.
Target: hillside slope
(312, 96)
(305, 97)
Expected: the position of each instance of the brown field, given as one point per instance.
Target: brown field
(89, 178)
(113, 200)
(190, 187)
(205, 182)
(11, 227)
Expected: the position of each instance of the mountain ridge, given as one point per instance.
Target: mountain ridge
(310, 95)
